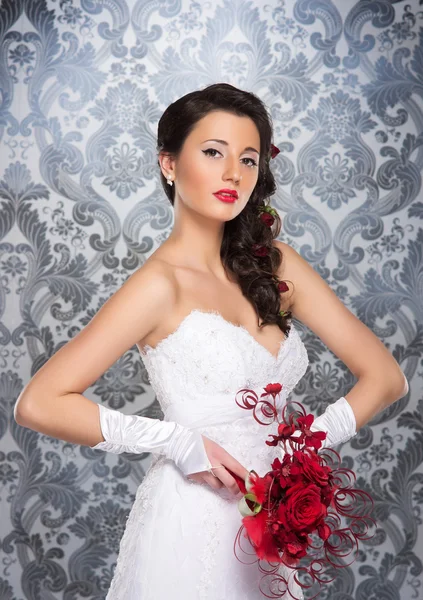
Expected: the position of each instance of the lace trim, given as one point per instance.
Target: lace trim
(178, 372)
(147, 349)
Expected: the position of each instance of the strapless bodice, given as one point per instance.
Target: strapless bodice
(197, 370)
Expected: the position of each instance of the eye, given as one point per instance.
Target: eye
(210, 150)
(251, 165)
(254, 164)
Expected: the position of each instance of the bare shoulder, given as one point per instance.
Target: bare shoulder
(315, 304)
(312, 298)
(301, 278)
(127, 317)
(156, 288)
(311, 295)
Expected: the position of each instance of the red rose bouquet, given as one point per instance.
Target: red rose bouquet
(292, 514)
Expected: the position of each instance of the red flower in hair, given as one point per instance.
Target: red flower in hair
(282, 286)
(274, 151)
(267, 214)
(260, 250)
(267, 219)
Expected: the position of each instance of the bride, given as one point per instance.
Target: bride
(210, 312)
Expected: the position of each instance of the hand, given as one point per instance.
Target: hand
(219, 456)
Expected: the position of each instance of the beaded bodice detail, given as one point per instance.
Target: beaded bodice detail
(198, 369)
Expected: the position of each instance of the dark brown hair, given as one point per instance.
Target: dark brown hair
(254, 274)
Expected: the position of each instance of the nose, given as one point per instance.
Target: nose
(233, 172)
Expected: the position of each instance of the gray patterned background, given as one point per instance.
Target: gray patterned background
(82, 86)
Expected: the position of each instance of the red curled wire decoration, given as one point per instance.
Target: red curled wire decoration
(292, 516)
(250, 400)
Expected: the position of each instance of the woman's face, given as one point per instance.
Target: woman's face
(205, 166)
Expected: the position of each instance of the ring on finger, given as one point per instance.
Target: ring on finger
(210, 470)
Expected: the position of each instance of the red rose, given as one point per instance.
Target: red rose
(267, 218)
(294, 543)
(313, 470)
(282, 287)
(274, 150)
(272, 388)
(304, 508)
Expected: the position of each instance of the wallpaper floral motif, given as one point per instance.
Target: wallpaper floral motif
(82, 86)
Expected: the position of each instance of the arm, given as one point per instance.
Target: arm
(380, 378)
(52, 402)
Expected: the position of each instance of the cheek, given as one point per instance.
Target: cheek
(195, 176)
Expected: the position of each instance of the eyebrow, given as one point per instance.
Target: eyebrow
(226, 144)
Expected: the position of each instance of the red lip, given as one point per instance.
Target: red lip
(228, 199)
(228, 191)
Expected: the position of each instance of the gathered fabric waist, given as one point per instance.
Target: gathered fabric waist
(218, 410)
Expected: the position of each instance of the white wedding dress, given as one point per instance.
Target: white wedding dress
(179, 538)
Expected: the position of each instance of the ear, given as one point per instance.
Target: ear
(167, 164)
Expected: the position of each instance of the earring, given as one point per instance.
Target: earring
(169, 180)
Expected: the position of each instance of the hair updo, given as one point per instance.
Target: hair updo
(256, 275)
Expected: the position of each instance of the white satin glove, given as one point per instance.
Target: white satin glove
(338, 421)
(131, 433)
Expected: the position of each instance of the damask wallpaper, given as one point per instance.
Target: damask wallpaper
(82, 86)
